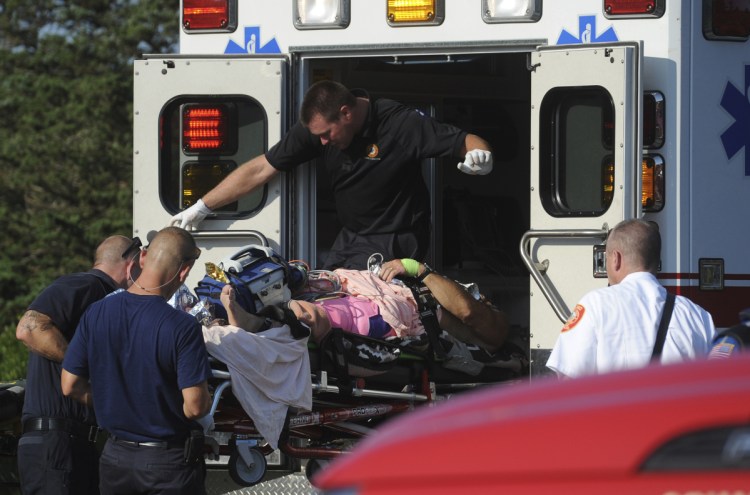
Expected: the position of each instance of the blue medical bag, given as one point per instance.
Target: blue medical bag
(259, 278)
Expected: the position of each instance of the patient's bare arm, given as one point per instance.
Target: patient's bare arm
(489, 326)
(469, 320)
(237, 315)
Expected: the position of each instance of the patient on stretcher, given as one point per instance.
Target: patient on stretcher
(375, 306)
(267, 354)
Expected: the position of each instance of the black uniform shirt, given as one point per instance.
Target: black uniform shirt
(64, 301)
(377, 181)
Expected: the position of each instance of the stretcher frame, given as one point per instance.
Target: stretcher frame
(342, 414)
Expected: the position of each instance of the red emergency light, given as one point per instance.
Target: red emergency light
(634, 8)
(726, 20)
(204, 15)
(207, 128)
(653, 120)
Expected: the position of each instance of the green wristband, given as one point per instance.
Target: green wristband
(411, 266)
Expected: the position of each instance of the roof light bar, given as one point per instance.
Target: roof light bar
(634, 8)
(415, 12)
(496, 11)
(209, 15)
(322, 14)
(727, 20)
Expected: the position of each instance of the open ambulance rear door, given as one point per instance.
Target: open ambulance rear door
(585, 175)
(195, 121)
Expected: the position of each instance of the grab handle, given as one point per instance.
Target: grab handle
(231, 234)
(534, 268)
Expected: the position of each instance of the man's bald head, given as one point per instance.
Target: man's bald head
(108, 258)
(110, 250)
(171, 248)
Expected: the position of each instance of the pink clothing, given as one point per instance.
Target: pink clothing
(396, 303)
(352, 314)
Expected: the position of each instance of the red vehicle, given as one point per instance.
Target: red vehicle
(674, 429)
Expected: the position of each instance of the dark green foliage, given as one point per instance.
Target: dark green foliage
(66, 138)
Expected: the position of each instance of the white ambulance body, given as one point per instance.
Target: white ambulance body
(597, 110)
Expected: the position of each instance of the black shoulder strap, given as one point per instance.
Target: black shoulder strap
(661, 334)
(426, 309)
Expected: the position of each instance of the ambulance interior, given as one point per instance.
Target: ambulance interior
(478, 221)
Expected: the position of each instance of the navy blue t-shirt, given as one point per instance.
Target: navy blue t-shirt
(63, 301)
(377, 181)
(139, 353)
(730, 342)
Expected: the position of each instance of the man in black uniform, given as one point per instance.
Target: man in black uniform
(372, 150)
(57, 452)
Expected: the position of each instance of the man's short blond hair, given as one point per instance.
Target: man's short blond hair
(639, 241)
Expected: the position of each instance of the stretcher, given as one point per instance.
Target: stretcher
(349, 402)
(353, 383)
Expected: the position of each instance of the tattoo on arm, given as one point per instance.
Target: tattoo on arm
(34, 320)
(37, 331)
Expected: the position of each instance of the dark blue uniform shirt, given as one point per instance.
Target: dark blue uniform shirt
(139, 353)
(63, 301)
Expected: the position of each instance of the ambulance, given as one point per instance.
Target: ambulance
(596, 110)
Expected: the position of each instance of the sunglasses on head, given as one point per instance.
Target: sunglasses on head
(135, 245)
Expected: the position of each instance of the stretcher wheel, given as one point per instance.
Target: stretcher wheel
(244, 474)
(314, 466)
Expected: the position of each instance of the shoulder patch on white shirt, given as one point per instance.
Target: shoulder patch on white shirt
(577, 315)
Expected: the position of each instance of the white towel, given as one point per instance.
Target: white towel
(270, 371)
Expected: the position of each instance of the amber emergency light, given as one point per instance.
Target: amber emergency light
(634, 8)
(415, 12)
(199, 177)
(652, 183)
(198, 15)
(608, 182)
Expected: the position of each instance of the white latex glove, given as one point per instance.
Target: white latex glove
(190, 218)
(477, 162)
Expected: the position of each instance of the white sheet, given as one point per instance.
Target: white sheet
(270, 371)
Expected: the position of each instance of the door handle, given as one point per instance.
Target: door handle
(539, 269)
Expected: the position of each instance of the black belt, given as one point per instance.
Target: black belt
(161, 445)
(75, 428)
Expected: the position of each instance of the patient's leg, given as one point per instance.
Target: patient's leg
(236, 314)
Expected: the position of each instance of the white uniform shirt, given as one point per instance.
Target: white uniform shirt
(615, 328)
